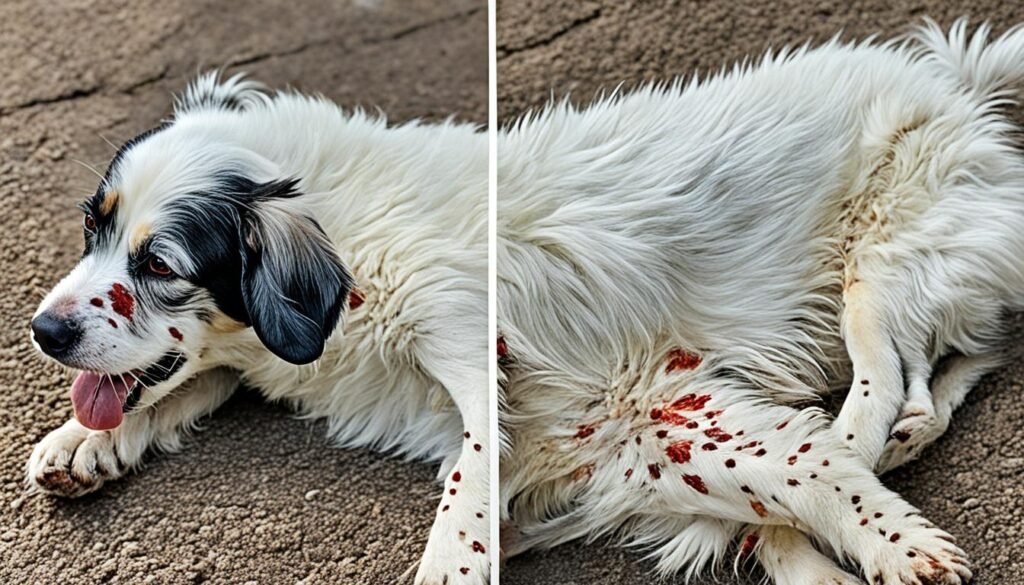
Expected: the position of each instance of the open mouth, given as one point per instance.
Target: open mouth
(100, 400)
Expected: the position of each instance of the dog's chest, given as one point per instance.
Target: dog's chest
(367, 383)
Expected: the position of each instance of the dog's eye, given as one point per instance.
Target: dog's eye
(158, 267)
(89, 222)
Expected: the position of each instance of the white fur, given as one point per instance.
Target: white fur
(863, 197)
(405, 209)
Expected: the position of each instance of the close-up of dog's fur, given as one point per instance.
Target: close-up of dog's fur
(325, 258)
(686, 268)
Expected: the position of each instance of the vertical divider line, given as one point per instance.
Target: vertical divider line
(492, 280)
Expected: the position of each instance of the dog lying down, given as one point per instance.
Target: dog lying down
(682, 266)
(322, 257)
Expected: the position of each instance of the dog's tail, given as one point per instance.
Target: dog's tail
(980, 65)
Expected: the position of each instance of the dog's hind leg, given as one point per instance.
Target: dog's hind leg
(73, 460)
(951, 384)
(877, 392)
(789, 558)
(458, 549)
(771, 465)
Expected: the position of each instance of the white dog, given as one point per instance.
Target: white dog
(680, 267)
(324, 258)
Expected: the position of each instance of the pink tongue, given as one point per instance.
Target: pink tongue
(99, 400)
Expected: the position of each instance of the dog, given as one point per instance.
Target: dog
(685, 269)
(320, 256)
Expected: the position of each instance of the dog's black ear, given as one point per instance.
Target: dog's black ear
(293, 284)
(210, 92)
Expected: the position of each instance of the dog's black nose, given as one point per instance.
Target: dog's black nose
(55, 336)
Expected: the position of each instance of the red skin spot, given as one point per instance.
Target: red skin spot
(782, 426)
(760, 453)
(121, 301)
(355, 299)
(679, 451)
(718, 435)
(740, 434)
(712, 413)
(674, 418)
(792, 482)
(655, 470)
(464, 570)
(680, 359)
(477, 446)
(901, 436)
(804, 448)
(825, 463)
(629, 473)
(696, 483)
(748, 544)
(445, 508)
(895, 536)
(112, 323)
(692, 425)
(456, 476)
(879, 514)
(638, 440)
(791, 460)
(855, 500)
(583, 472)
(502, 347)
(863, 521)
(662, 434)
(656, 413)
(176, 334)
(759, 508)
(709, 446)
(477, 547)
(96, 302)
(730, 463)
(691, 402)
(584, 431)
(466, 434)
(452, 491)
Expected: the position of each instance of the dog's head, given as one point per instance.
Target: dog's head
(189, 236)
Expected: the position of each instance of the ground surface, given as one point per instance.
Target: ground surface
(972, 482)
(259, 496)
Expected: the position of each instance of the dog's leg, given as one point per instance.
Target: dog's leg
(73, 460)
(912, 433)
(877, 392)
(773, 465)
(789, 558)
(459, 544)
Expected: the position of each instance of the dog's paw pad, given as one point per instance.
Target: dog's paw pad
(909, 436)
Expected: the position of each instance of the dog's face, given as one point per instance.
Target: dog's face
(189, 236)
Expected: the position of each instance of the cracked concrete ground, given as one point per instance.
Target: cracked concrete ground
(970, 483)
(258, 496)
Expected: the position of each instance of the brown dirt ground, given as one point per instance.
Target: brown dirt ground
(240, 504)
(971, 481)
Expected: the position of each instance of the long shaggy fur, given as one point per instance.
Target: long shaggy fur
(330, 260)
(681, 266)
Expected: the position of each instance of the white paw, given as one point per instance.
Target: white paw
(915, 429)
(458, 551)
(919, 555)
(73, 461)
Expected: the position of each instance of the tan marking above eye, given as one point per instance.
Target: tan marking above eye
(109, 201)
(139, 235)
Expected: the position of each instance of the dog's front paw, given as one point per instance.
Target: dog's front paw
(915, 429)
(73, 461)
(923, 555)
(457, 552)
